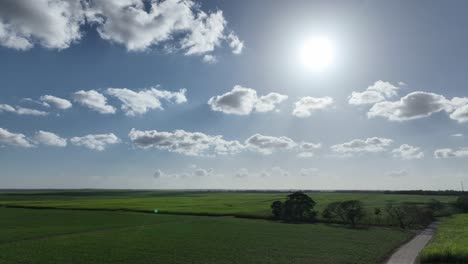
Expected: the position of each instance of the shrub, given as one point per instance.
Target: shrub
(350, 212)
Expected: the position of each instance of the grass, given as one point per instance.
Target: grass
(252, 204)
(450, 243)
(65, 236)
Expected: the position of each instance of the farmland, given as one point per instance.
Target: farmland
(65, 236)
(252, 204)
(449, 244)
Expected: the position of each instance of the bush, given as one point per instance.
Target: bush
(297, 208)
(350, 212)
(462, 203)
(409, 216)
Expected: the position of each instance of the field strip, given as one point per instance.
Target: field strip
(408, 253)
(95, 231)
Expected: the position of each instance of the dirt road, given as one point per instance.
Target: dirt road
(408, 253)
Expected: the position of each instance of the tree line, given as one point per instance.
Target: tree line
(299, 207)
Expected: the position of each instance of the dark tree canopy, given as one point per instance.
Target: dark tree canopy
(350, 212)
(297, 207)
(462, 203)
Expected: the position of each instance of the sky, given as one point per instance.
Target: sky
(233, 94)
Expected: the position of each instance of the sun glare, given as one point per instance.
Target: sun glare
(317, 54)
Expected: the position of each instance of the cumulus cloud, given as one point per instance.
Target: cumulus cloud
(140, 102)
(269, 144)
(309, 172)
(208, 58)
(307, 105)
(14, 139)
(408, 152)
(93, 100)
(136, 24)
(374, 144)
(412, 106)
(306, 149)
(378, 92)
(129, 23)
(267, 103)
(242, 101)
(397, 173)
(158, 174)
(21, 110)
(183, 142)
(49, 139)
(460, 113)
(457, 135)
(53, 24)
(279, 172)
(56, 101)
(451, 153)
(235, 43)
(199, 172)
(97, 142)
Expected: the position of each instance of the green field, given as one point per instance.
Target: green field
(254, 204)
(67, 236)
(450, 243)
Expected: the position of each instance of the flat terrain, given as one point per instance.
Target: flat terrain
(67, 236)
(254, 204)
(450, 243)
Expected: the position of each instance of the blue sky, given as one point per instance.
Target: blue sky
(389, 112)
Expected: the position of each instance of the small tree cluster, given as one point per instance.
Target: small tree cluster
(409, 216)
(298, 207)
(350, 212)
(462, 203)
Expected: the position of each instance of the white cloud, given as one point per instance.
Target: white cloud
(206, 33)
(307, 149)
(374, 144)
(419, 105)
(408, 152)
(208, 58)
(129, 23)
(97, 142)
(21, 110)
(279, 172)
(199, 172)
(307, 105)
(235, 43)
(309, 172)
(242, 173)
(268, 144)
(140, 102)
(93, 100)
(378, 92)
(49, 139)
(457, 135)
(397, 173)
(269, 102)
(451, 153)
(54, 24)
(56, 101)
(158, 174)
(183, 142)
(13, 139)
(242, 101)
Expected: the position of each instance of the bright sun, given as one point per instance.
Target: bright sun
(317, 54)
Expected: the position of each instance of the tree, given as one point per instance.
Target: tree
(377, 213)
(409, 216)
(277, 209)
(350, 212)
(462, 203)
(297, 208)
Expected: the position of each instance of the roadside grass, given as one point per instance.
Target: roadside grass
(450, 243)
(65, 236)
(245, 204)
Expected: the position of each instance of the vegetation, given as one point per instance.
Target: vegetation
(409, 216)
(243, 204)
(462, 203)
(450, 243)
(297, 208)
(349, 212)
(68, 236)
